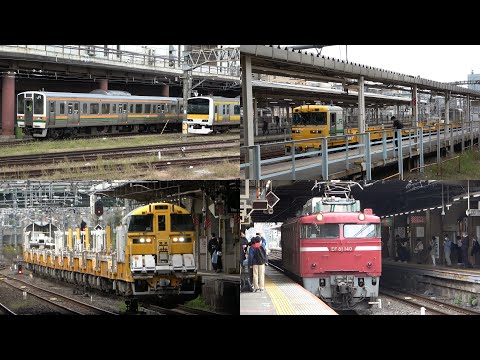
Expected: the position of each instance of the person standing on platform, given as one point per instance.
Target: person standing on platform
(265, 126)
(475, 250)
(212, 248)
(397, 125)
(418, 251)
(447, 245)
(459, 251)
(258, 261)
(431, 247)
(219, 255)
(464, 250)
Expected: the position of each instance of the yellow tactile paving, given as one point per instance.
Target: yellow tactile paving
(279, 300)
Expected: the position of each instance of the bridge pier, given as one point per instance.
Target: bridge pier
(8, 105)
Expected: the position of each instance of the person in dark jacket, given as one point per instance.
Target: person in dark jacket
(397, 125)
(219, 255)
(243, 247)
(258, 262)
(212, 247)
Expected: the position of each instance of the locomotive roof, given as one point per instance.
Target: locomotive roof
(338, 217)
(146, 208)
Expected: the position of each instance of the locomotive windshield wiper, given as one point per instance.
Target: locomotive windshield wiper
(361, 230)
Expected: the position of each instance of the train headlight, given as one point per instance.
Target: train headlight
(182, 239)
(148, 240)
(361, 217)
(175, 239)
(142, 240)
(319, 217)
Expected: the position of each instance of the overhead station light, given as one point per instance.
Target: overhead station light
(456, 199)
(288, 99)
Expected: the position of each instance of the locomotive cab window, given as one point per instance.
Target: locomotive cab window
(21, 104)
(38, 107)
(198, 106)
(141, 223)
(325, 231)
(361, 230)
(181, 222)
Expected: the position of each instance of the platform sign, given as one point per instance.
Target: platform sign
(473, 212)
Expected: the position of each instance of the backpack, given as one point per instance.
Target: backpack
(260, 255)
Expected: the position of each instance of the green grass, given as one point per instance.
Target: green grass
(469, 168)
(106, 169)
(198, 303)
(53, 146)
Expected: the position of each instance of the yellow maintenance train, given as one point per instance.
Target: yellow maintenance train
(317, 121)
(153, 254)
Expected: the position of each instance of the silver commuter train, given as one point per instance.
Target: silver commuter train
(61, 114)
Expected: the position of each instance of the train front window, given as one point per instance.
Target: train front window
(355, 231)
(319, 118)
(181, 222)
(38, 104)
(324, 231)
(141, 223)
(21, 104)
(198, 106)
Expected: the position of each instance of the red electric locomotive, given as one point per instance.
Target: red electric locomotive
(334, 249)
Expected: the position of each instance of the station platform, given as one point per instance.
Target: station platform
(270, 138)
(221, 291)
(452, 282)
(282, 296)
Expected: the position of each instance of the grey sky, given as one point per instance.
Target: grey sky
(444, 63)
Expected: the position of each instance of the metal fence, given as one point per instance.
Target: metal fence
(367, 153)
(152, 58)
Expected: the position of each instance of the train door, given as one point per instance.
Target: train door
(339, 126)
(73, 113)
(226, 117)
(163, 240)
(28, 110)
(333, 123)
(122, 113)
(51, 107)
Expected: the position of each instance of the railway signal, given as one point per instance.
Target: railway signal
(98, 208)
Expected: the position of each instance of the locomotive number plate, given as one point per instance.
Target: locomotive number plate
(341, 248)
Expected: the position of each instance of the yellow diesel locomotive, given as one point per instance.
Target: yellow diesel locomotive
(154, 254)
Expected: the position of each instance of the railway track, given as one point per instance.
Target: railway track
(179, 310)
(155, 165)
(5, 310)
(112, 153)
(433, 306)
(70, 305)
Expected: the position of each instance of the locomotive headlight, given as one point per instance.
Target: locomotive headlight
(175, 239)
(182, 239)
(148, 240)
(142, 240)
(319, 217)
(361, 217)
